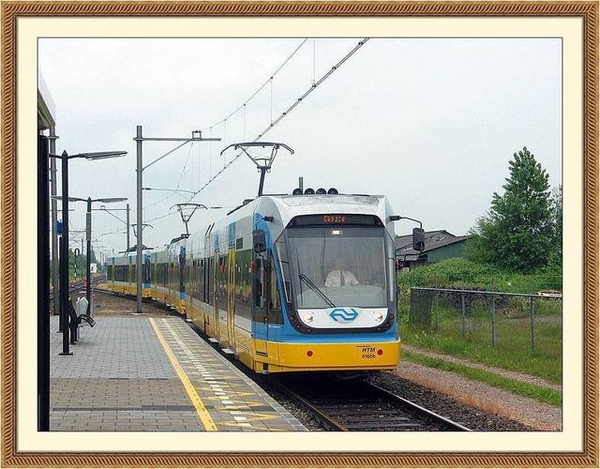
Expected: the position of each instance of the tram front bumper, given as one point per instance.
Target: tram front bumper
(338, 356)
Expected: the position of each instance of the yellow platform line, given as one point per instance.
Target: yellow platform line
(207, 421)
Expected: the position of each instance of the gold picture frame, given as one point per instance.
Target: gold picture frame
(586, 11)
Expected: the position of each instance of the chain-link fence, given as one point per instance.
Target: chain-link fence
(527, 322)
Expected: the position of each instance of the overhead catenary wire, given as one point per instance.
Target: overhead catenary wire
(272, 124)
(285, 113)
(260, 88)
(176, 190)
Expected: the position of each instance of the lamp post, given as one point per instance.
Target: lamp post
(88, 239)
(54, 243)
(64, 242)
(139, 139)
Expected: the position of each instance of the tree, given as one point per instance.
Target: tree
(557, 214)
(519, 230)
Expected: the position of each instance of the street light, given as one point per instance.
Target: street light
(88, 240)
(64, 242)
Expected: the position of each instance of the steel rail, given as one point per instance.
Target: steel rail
(424, 411)
(326, 419)
(365, 419)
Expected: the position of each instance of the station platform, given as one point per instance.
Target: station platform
(146, 374)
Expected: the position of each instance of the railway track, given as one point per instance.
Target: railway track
(72, 288)
(78, 285)
(360, 406)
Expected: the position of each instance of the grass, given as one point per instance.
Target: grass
(512, 354)
(545, 395)
(443, 330)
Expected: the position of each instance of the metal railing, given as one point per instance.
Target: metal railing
(495, 318)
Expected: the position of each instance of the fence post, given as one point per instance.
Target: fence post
(532, 322)
(437, 309)
(463, 313)
(493, 321)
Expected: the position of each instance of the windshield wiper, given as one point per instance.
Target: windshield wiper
(316, 289)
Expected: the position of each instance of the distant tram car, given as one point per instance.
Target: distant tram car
(285, 283)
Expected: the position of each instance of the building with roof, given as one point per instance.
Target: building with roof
(439, 245)
(46, 110)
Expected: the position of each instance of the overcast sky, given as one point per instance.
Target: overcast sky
(430, 123)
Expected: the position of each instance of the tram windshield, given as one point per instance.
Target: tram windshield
(336, 266)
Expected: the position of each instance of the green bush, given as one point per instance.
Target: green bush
(465, 274)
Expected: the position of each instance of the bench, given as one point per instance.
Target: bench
(75, 321)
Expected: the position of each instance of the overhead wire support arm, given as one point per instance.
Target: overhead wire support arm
(140, 139)
(184, 140)
(111, 214)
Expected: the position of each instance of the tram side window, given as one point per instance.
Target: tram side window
(146, 271)
(275, 315)
(123, 273)
(165, 274)
(259, 283)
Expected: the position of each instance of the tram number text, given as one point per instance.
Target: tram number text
(368, 352)
(334, 219)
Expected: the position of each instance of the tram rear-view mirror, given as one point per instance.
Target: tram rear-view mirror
(418, 239)
(258, 241)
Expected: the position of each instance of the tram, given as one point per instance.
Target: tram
(285, 283)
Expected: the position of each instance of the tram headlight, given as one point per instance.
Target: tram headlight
(308, 318)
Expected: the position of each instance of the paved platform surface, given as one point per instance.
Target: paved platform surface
(136, 373)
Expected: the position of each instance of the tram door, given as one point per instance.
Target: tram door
(205, 266)
(206, 277)
(180, 302)
(231, 298)
(215, 315)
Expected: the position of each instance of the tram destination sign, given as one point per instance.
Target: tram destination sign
(336, 219)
